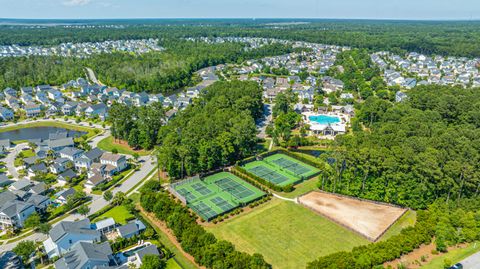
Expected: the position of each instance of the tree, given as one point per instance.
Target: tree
(119, 198)
(107, 195)
(24, 249)
(150, 261)
(44, 228)
(115, 151)
(83, 210)
(33, 221)
(136, 156)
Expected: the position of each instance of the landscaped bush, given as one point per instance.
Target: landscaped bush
(202, 245)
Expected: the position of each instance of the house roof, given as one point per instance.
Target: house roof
(7, 196)
(108, 222)
(65, 193)
(107, 156)
(64, 142)
(96, 179)
(41, 167)
(21, 184)
(71, 151)
(68, 174)
(131, 228)
(94, 154)
(14, 207)
(73, 227)
(148, 250)
(82, 253)
(39, 188)
(36, 199)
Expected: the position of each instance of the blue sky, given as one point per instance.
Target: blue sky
(362, 9)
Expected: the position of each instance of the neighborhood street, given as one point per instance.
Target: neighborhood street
(472, 262)
(10, 159)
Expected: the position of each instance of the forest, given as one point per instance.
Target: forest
(410, 153)
(155, 72)
(216, 130)
(453, 38)
(139, 126)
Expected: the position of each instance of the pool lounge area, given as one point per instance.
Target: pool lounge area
(326, 125)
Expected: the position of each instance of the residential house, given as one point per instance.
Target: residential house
(10, 92)
(62, 196)
(69, 108)
(400, 96)
(88, 158)
(59, 165)
(131, 229)
(26, 90)
(105, 226)
(70, 153)
(115, 163)
(137, 258)
(6, 114)
(63, 236)
(5, 181)
(96, 110)
(36, 169)
(10, 260)
(59, 144)
(85, 255)
(32, 110)
(13, 212)
(66, 176)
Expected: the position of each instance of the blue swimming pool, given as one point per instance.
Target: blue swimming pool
(324, 119)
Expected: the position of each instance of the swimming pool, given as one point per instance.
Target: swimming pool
(324, 119)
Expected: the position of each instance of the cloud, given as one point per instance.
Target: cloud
(74, 3)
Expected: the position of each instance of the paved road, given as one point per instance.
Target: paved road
(262, 126)
(472, 262)
(10, 159)
(92, 77)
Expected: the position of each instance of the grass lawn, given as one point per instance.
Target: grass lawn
(108, 144)
(118, 213)
(408, 219)
(302, 188)
(455, 255)
(286, 234)
(172, 264)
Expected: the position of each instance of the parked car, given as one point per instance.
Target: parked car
(456, 266)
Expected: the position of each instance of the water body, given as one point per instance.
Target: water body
(37, 133)
(324, 119)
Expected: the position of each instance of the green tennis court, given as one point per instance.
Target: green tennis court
(281, 169)
(216, 194)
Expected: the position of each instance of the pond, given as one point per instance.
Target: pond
(38, 133)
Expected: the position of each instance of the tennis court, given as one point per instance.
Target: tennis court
(269, 174)
(216, 194)
(281, 169)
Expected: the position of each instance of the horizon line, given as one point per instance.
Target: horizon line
(249, 18)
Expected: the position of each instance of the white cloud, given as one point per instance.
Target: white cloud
(73, 3)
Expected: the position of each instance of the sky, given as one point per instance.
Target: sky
(339, 9)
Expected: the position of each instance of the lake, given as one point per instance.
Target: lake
(37, 133)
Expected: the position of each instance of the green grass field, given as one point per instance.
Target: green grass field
(286, 234)
(281, 169)
(118, 213)
(217, 194)
(107, 144)
(407, 220)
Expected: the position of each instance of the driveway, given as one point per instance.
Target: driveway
(10, 159)
(472, 262)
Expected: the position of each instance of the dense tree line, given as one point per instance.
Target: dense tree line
(445, 38)
(139, 126)
(152, 72)
(202, 245)
(451, 224)
(359, 74)
(410, 153)
(217, 130)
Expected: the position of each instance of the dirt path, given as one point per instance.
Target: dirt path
(163, 227)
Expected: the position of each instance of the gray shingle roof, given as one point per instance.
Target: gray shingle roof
(77, 227)
(82, 252)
